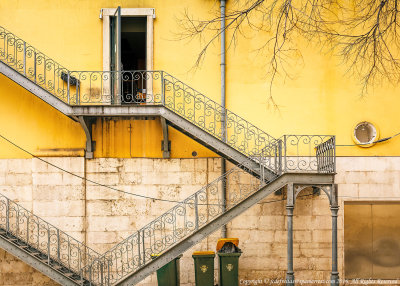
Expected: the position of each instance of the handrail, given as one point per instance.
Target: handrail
(46, 238)
(32, 63)
(160, 88)
(137, 87)
(289, 153)
(168, 229)
(302, 154)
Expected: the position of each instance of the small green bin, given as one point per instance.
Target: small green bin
(229, 269)
(204, 267)
(169, 274)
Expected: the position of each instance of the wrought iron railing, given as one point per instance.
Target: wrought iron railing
(289, 153)
(302, 154)
(213, 118)
(54, 245)
(160, 88)
(326, 156)
(170, 228)
(131, 87)
(32, 63)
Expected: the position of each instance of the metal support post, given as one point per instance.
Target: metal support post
(34, 66)
(165, 143)
(196, 211)
(284, 154)
(335, 273)
(24, 58)
(86, 124)
(289, 211)
(334, 210)
(280, 157)
(68, 88)
(290, 272)
(162, 89)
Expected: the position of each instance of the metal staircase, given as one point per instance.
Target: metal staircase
(42, 245)
(264, 164)
(87, 94)
(190, 221)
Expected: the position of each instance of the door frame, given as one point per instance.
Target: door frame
(150, 15)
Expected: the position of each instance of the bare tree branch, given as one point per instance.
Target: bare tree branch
(363, 33)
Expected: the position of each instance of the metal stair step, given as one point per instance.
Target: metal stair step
(20, 245)
(57, 267)
(68, 274)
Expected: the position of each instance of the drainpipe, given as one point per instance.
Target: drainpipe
(223, 122)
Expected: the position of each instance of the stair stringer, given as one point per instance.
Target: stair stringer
(229, 215)
(35, 89)
(216, 145)
(182, 125)
(35, 263)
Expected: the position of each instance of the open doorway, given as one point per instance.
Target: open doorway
(133, 43)
(142, 20)
(128, 44)
(133, 58)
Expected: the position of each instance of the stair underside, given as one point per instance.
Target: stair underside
(179, 123)
(174, 120)
(190, 241)
(33, 259)
(186, 127)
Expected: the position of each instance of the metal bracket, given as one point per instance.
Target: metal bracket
(165, 144)
(86, 123)
(291, 197)
(330, 190)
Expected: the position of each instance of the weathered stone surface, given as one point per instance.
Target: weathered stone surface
(102, 216)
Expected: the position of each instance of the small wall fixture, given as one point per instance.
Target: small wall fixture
(365, 133)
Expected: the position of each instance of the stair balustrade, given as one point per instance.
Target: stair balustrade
(43, 240)
(277, 156)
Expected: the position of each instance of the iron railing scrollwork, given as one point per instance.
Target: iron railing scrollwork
(326, 156)
(136, 87)
(50, 243)
(207, 114)
(301, 153)
(289, 153)
(170, 228)
(32, 63)
(160, 88)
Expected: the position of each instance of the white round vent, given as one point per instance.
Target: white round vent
(365, 133)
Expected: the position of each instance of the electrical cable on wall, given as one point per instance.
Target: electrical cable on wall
(100, 184)
(377, 141)
(91, 181)
(165, 200)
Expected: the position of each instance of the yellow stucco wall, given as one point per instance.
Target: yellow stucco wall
(321, 99)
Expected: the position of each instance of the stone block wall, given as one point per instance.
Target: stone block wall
(101, 217)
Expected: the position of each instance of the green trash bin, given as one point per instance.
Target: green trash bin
(229, 269)
(169, 274)
(228, 254)
(204, 267)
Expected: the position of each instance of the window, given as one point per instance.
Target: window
(365, 133)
